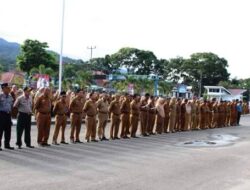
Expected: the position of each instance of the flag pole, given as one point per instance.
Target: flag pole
(61, 50)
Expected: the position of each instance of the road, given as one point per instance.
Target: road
(162, 162)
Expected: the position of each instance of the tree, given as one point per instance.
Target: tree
(33, 53)
(173, 69)
(42, 70)
(136, 61)
(205, 69)
(82, 78)
(165, 87)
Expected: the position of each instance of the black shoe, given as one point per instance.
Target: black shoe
(46, 144)
(29, 146)
(9, 147)
(1, 149)
(125, 137)
(135, 137)
(55, 143)
(94, 140)
(19, 146)
(78, 141)
(105, 139)
(88, 140)
(63, 142)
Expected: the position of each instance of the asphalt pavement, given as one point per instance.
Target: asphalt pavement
(213, 159)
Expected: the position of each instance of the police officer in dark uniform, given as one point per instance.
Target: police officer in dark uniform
(6, 102)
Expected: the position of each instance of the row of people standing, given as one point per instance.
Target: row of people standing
(156, 115)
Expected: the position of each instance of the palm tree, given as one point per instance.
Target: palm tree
(42, 70)
(83, 78)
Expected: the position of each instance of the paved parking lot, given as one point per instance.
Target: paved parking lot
(157, 162)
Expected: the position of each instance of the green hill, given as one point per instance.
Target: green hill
(10, 50)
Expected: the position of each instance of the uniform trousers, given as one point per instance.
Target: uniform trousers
(23, 124)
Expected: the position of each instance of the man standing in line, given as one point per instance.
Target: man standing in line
(43, 117)
(75, 108)
(125, 109)
(144, 115)
(24, 107)
(115, 111)
(102, 107)
(134, 115)
(91, 111)
(60, 110)
(6, 102)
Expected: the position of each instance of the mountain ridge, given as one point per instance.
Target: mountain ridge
(10, 50)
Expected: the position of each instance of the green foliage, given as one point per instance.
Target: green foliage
(42, 70)
(33, 53)
(140, 85)
(136, 61)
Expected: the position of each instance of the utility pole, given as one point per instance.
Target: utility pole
(91, 51)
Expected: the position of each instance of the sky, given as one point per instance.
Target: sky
(169, 28)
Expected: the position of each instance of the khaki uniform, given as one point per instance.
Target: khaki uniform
(102, 107)
(143, 117)
(220, 115)
(75, 107)
(172, 116)
(209, 114)
(215, 115)
(228, 108)
(151, 117)
(188, 117)
(182, 117)
(233, 114)
(177, 118)
(43, 118)
(207, 117)
(166, 119)
(60, 110)
(134, 117)
(193, 124)
(198, 111)
(91, 110)
(115, 111)
(125, 111)
(203, 112)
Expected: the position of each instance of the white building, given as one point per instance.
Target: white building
(221, 93)
(182, 91)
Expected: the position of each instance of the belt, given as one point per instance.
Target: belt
(103, 112)
(91, 115)
(4, 112)
(61, 114)
(25, 113)
(78, 113)
(137, 115)
(116, 114)
(44, 113)
(125, 112)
